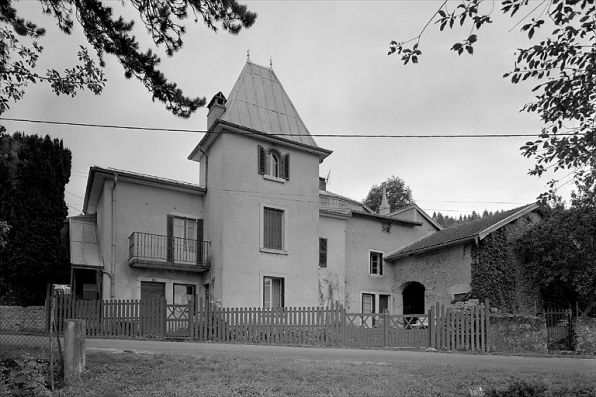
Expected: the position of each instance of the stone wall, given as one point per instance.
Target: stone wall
(18, 319)
(585, 335)
(512, 333)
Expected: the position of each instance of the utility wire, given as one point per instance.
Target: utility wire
(139, 128)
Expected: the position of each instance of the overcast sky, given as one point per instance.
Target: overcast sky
(331, 58)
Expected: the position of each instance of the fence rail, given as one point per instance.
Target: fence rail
(440, 328)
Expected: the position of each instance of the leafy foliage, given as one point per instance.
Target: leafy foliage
(562, 64)
(560, 255)
(110, 35)
(4, 228)
(398, 194)
(24, 377)
(33, 175)
(497, 272)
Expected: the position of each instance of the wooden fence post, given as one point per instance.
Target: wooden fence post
(385, 329)
(431, 328)
(487, 315)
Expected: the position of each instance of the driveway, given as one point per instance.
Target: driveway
(470, 362)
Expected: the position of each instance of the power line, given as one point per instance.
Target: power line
(139, 128)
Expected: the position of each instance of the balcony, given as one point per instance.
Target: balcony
(154, 251)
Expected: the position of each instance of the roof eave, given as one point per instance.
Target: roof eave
(219, 124)
(387, 218)
(482, 234)
(463, 240)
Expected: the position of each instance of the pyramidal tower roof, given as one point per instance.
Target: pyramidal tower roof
(258, 101)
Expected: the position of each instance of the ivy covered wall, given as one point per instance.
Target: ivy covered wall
(497, 271)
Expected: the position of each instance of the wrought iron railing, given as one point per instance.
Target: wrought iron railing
(176, 250)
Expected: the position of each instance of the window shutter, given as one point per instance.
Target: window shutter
(262, 160)
(286, 166)
(170, 239)
(200, 241)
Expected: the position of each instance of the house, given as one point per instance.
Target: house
(480, 255)
(259, 229)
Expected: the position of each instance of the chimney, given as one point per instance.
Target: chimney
(384, 208)
(322, 183)
(216, 107)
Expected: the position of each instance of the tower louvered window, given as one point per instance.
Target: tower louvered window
(273, 228)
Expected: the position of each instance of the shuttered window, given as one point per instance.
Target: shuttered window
(262, 160)
(286, 167)
(273, 163)
(273, 228)
(322, 252)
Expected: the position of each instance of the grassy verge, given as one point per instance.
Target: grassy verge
(131, 374)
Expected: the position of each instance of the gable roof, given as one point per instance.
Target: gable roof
(259, 105)
(415, 207)
(471, 231)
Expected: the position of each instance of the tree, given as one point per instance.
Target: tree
(559, 254)
(4, 229)
(33, 175)
(562, 64)
(398, 194)
(110, 35)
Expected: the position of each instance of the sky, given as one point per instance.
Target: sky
(331, 57)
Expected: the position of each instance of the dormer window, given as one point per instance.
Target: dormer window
(272, 163)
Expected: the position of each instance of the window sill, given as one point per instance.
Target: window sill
(376, 275)
(274, 178)
(273, 251)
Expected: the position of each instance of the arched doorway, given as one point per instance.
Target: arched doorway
(413, 298)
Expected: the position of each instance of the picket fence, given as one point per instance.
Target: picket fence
(440, 328)
(460, 328)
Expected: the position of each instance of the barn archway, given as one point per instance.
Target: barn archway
(413, 298)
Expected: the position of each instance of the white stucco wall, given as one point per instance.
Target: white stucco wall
(233, 207)
(141, 208)
(331, 281)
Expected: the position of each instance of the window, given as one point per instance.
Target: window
(183, 293)
(273, 228)
(322, 252)
(273, 163)
(273, 292)
(368, 303)
(376, 263)
(183, 234)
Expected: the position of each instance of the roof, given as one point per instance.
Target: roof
(259, 104)
(471, 231)
(98, 174)
(258, 101)
(419, 210)
(330, 200)
(84, 246)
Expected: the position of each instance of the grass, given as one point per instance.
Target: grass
(131, 374)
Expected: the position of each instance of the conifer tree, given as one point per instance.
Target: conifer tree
(33, 174)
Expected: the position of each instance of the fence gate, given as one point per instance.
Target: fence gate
(385, 330)
(178, 320)
(559, 329)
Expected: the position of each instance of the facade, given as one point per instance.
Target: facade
(259, 229)
(443, 266)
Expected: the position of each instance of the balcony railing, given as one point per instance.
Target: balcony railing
(153, 250)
